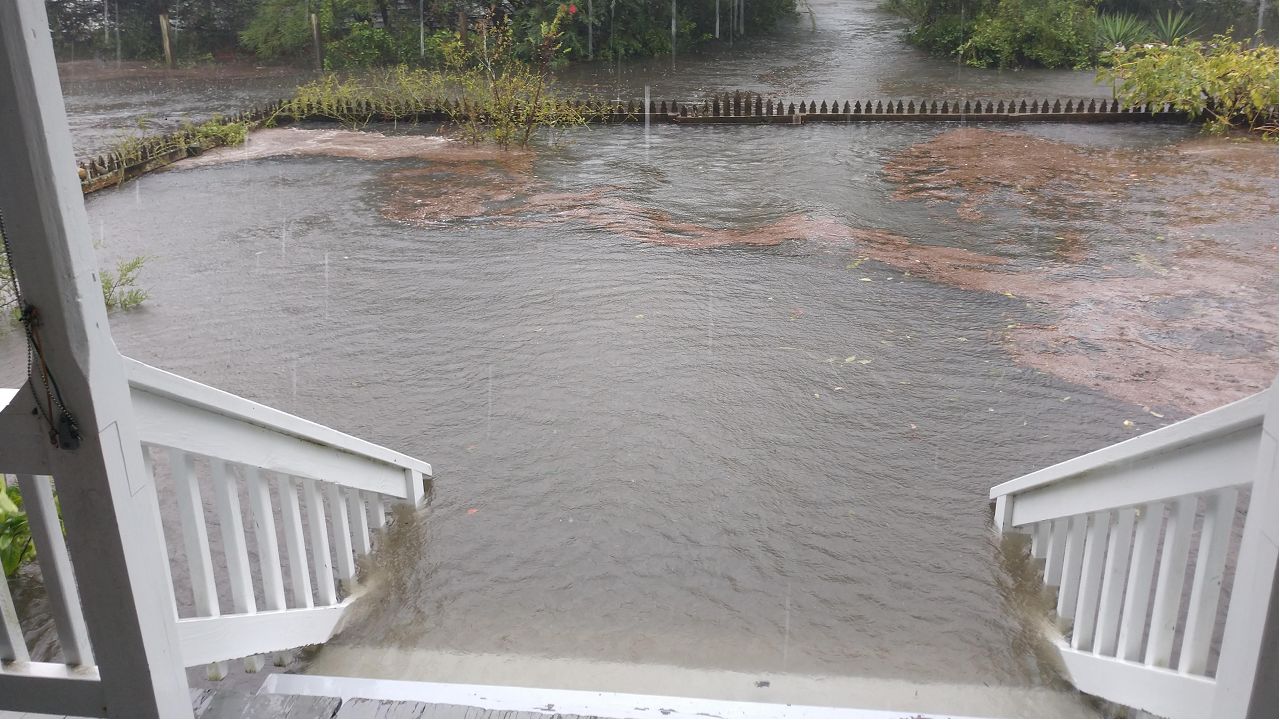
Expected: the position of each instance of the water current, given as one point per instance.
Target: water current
(725, 398)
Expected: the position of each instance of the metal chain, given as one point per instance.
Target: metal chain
(65, 432)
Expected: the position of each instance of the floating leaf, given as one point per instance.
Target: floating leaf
(866, 279)
(864, 362)
(855, 263)
(850, 359)
(1128, 423)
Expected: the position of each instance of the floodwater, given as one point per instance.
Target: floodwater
(721, 399)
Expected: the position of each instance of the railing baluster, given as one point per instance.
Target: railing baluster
(1172, 576)
(295, 545)
(376, 510)
(341, 533)
(264, 531)
(359, 520)
(319, 543)
(1137, 594)
(1206, 587)
(55, 568)
(1054, 555)
(1040, 540)
(231, 523)
(1095, 545)
(195, 535)
(13, 646)
(1113, 582)
(1069, 590)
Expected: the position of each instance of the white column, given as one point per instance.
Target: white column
(108, 502)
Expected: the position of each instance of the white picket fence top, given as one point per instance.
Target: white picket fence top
(209, 441)
(1116, 529)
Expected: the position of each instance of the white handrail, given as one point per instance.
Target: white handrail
(1117, 531)
(189, 392)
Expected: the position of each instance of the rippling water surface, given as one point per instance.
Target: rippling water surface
(765, 458)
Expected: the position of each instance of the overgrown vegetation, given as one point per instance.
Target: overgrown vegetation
(16, 547)
(364, 33)
(1229, 82)
(496, 94)
(120, 289)
(1060, 33)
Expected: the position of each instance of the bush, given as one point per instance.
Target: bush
(1226, 81)
(1049, 33)
(15, 534)
(1120, 30)
(364, 46)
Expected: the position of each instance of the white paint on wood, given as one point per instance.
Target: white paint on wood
(1223, 461)
(52, 688)
(320, 559)
(1057, 550)
(195, 534)
(264, 532)
(515, 700)
(109, 507)
(1069, 589)
(197, 396)
(295, 545)
(1156, 690)
(1114, 578)
(341, 533)
(55, 568)
(1137, 597)
(234, 549)
(170, 423)
(1206, 585)
(1255, 571)
(1199, 429)
(1086, 615)
(414, 489)
(1039, 540)
(1169, 581)
(227, 637)
(13, 646)
(376, 511)
(359, 520)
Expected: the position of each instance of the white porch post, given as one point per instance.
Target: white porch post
(108, 501)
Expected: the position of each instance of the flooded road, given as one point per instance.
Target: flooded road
(725, 398)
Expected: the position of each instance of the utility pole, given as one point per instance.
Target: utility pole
(591, 29)
(717, 19)
(673, 34)
(422, 32)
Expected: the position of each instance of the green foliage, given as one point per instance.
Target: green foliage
(1048, 33)
(1120, 30)
(365, 46)
(120, 288)
(15, 535)
(497, 94)
(222, 132)
(280, 29)
(1228, 82)
(1172, 26)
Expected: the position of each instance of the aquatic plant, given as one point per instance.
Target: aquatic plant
(1225, 81)
(120, 289)
(1120, 30)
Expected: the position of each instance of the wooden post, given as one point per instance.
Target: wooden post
(422, 32)
(591, 30)
(717, 19)
(164, 38)
(315, 42)
(107, 498)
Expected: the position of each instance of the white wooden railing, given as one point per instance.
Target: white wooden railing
(202, 440)
(1122, 530)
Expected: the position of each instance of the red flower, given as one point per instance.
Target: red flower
(573, 9)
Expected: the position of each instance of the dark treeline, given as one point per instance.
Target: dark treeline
(1069, 33)
(384, 32)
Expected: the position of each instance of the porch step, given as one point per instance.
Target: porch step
(216, 703)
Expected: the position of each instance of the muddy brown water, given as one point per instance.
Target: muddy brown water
(714, 397)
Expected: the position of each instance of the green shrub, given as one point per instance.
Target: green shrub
(1120, 30)
(15, 535)
(1049, 33)
(1169, 27)
(364, 46)
(120, 288)
(1228, 82)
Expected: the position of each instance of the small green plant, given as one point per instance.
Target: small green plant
(1172, 26)
(1227, 82)
(222, 132)
(1048, 33)
(120, 289)
(1120, 30)
(15, 534)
